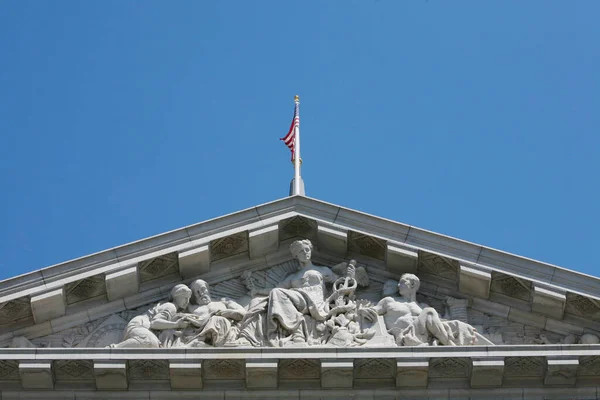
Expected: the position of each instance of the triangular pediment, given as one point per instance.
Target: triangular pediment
(509, 299)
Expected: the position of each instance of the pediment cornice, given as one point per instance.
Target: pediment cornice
(208, 249)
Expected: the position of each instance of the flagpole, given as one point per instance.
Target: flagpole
(297, 159)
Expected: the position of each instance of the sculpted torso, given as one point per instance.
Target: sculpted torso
(311, 276)
(206, 311)
(400, 312)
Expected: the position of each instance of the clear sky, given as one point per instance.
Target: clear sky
(476, 119)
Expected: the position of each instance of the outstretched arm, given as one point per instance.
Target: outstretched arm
(380, 308)
(234, 310)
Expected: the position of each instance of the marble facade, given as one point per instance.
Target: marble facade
(300, 299)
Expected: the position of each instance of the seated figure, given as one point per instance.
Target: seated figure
(163, 317)
(299, 298)
(211, 320)
(414, 324)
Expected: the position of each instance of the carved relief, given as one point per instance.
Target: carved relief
(15, 310)
(582, 306)
(224, 369)
(437, 265)
(367, 245)
(148, 370)
(449, 368)
(158, 267)
(299, 369)
(74, 370)
(9, 370)
(589, 366)
(511, 286)
(374, 368)
(524, 366)
(296, 304)
(297, 227)
(229, 246)
(85, 289)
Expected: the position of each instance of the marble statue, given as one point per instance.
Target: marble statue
(414, 324)
(300, 304)
(298, 311)
(211, 321)
(140, 331)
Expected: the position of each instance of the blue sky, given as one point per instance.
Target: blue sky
(476, 119)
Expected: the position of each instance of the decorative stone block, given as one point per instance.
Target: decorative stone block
(401, 259)
(549, 301)
(158, 267)
(73, 371)
(49, 305)
(110, 375)
(561, 371)
(263, 241)
(194, 262)
(475, 281)
(367, 245)
(486, 373)
(122, 283)
(332, 239)
(295, 369)
(229, 246)
(337, 374)
(186, 375)
(261, 374)
(84, 289)
(224, 369)
(412, 373)
(36, 374)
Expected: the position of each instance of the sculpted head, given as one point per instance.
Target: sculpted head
(408, 285)
(201, 292)
(302, 250)
(181, 295)
(390, 288)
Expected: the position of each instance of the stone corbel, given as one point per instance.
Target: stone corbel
(186, 375)
(263, 240)
(475, 280)
(261, 374)
(110, 375)
(48, 305)
(487, 373)
(122, 283)
(194, 262)
(561, 371)
(36, 374)
(333, 239)
(412, 372)
(549, 301)
(337, 374)
(400, 258)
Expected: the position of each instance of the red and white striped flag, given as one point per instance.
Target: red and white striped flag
(290, 138)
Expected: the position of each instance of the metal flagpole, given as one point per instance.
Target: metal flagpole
(297, 159)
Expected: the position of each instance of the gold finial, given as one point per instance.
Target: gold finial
(296, 98)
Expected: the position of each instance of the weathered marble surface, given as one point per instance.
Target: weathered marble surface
(310, 306)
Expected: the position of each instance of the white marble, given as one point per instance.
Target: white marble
(194, 262)
(122, 283)
(475, 281)
(263, 241)
(549, 301)
(49, 305)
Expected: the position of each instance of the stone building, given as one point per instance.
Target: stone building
(300, 299)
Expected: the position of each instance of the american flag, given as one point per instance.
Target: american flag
(290, 138)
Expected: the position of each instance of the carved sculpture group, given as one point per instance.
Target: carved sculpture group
(315, 305)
